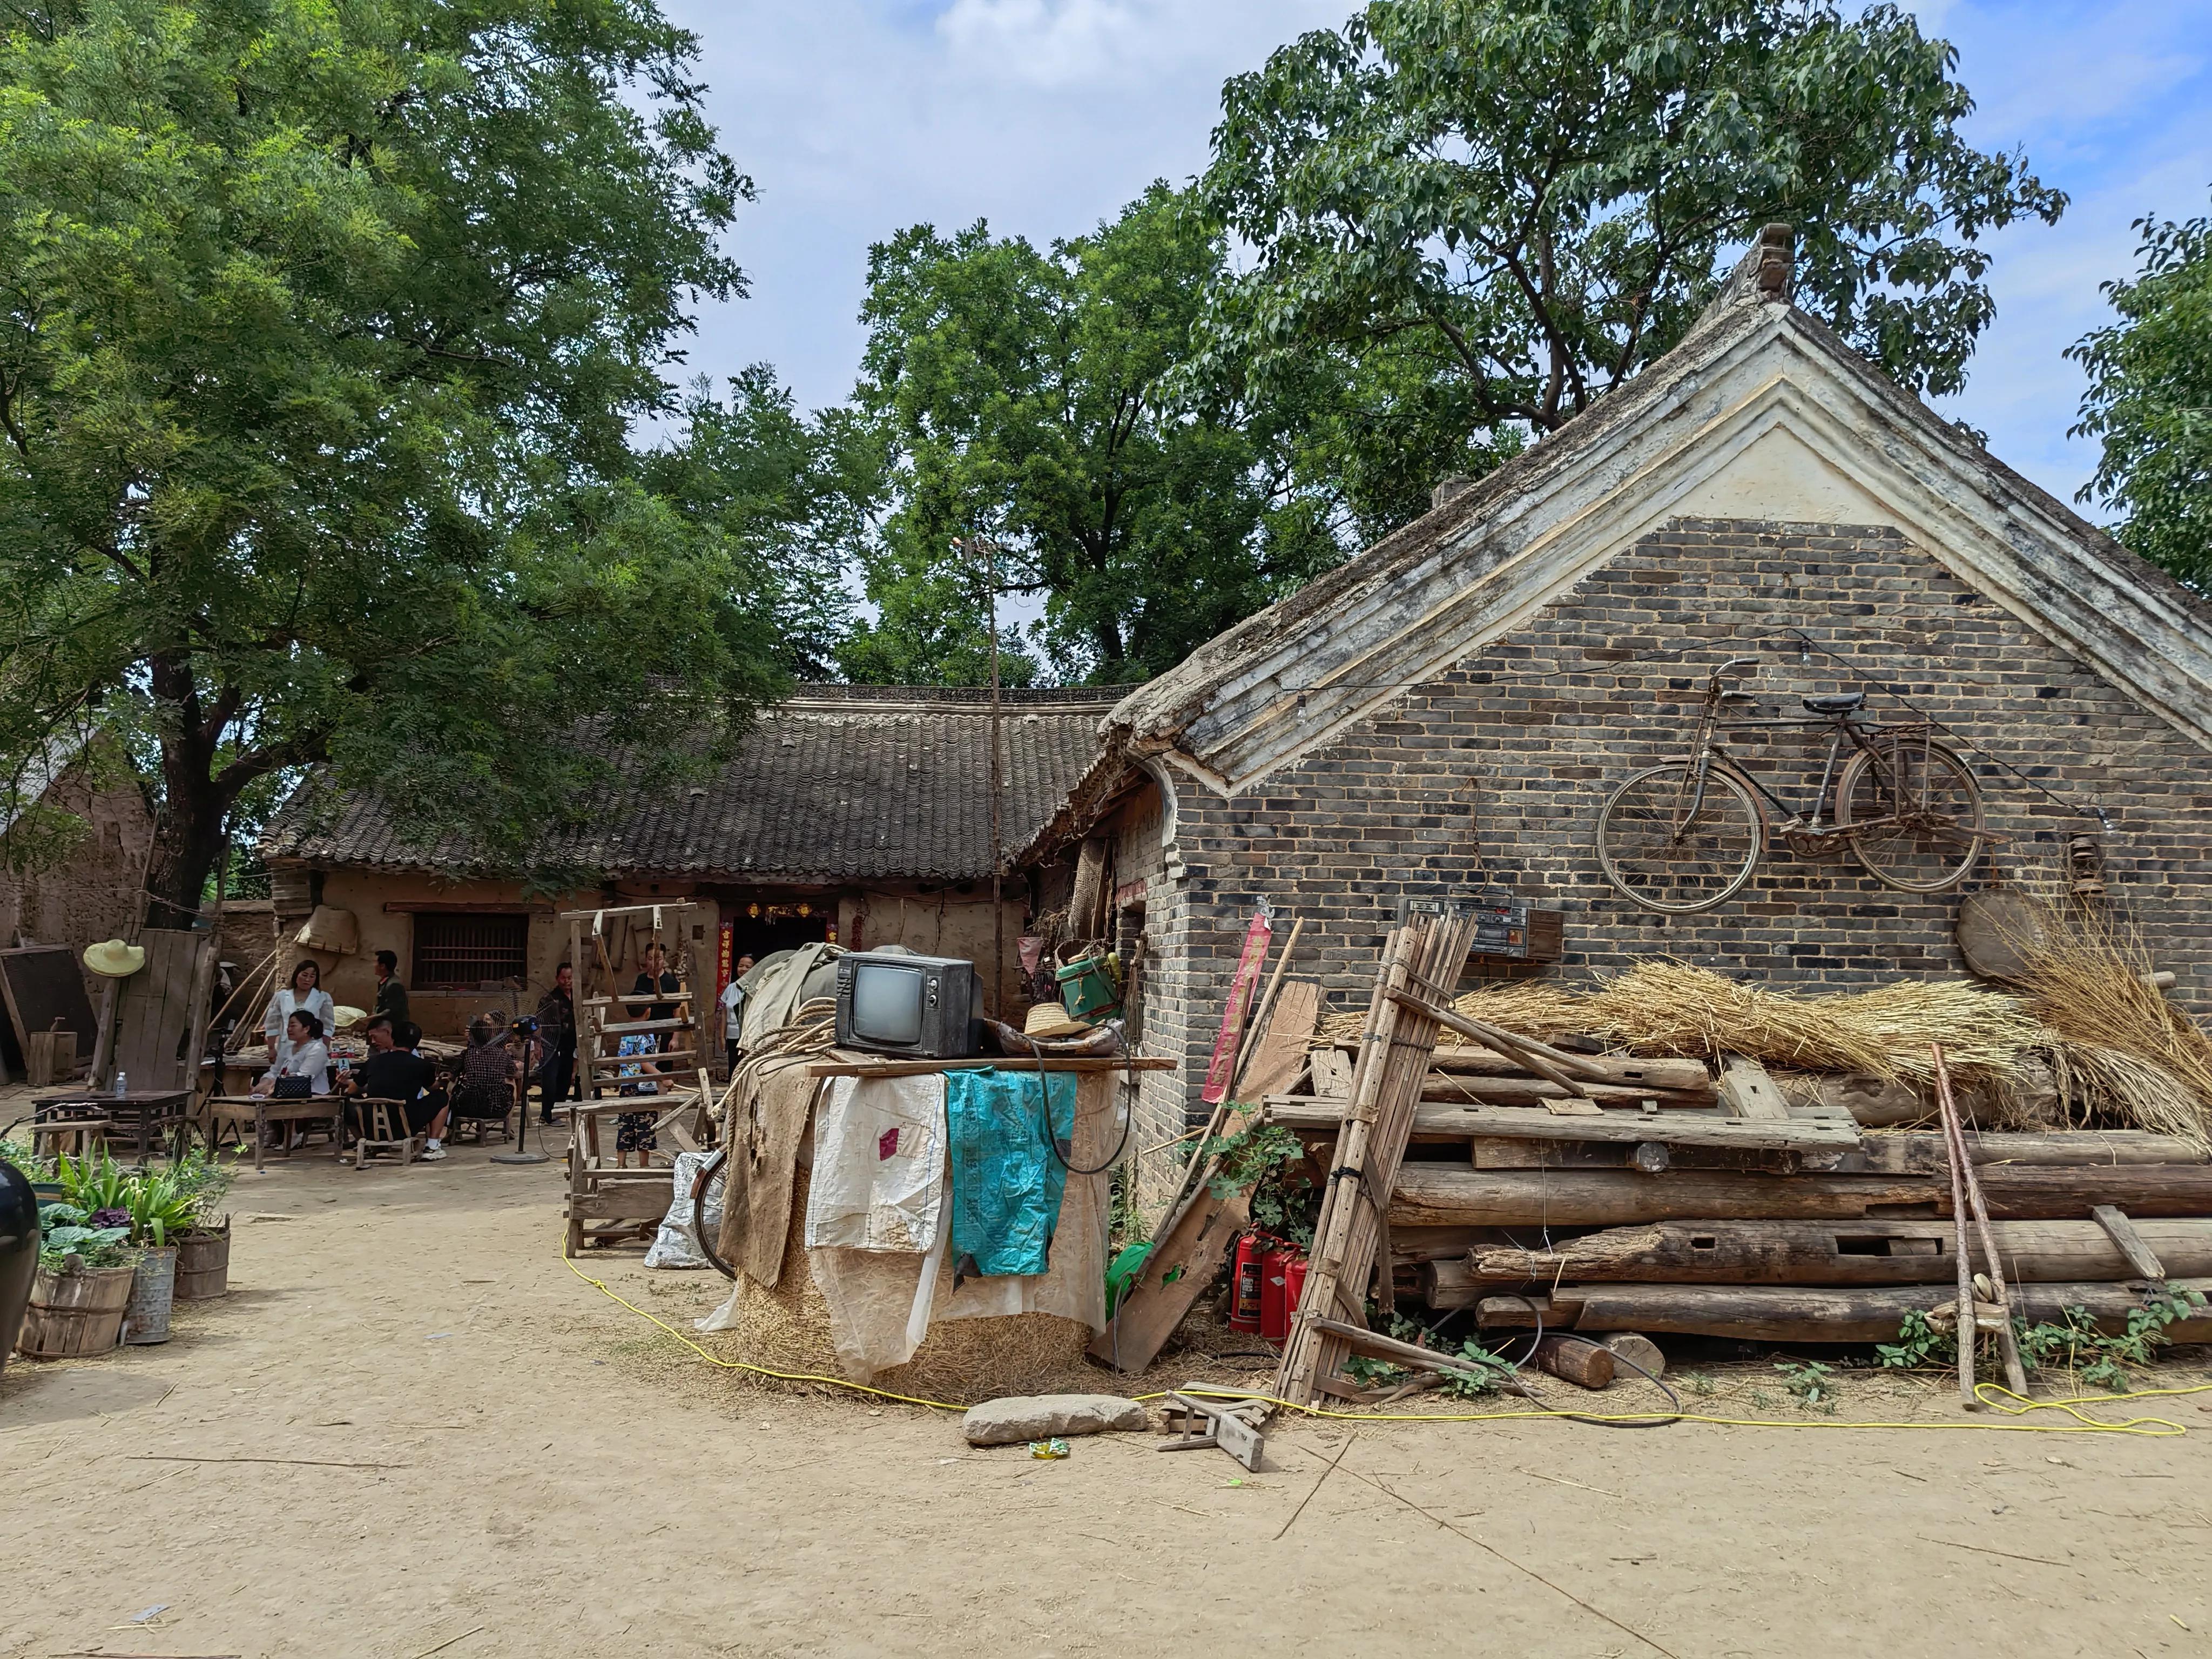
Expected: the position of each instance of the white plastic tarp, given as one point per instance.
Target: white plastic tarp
(880, 1165)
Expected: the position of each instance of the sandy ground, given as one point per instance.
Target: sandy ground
(411, 1429)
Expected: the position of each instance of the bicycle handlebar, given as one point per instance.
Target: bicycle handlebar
(1730, 667)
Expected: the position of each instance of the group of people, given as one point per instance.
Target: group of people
(298, 1024)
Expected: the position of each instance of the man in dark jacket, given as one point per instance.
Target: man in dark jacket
(391, 994)
(557, 1030)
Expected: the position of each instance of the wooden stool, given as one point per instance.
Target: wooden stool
(384, 1133)
(81, 1133)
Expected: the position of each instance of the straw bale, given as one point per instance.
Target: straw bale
(787, 1329)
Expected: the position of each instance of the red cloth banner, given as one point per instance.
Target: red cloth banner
(1241, 989)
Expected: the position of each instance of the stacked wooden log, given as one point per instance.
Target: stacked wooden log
(1660, 1196)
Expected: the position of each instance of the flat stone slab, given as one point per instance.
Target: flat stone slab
(1043, 1416)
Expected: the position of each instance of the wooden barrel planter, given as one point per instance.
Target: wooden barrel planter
(153, 1294)
(204, 1263)
(75, 1314)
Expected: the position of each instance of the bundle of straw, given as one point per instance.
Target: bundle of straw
(2127, 1055)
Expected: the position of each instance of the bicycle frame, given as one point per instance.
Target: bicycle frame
(1709, 747)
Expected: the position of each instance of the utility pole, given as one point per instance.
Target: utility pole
(989, 550)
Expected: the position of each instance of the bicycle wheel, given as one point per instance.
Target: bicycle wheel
(1914, 814)
(1664, 863)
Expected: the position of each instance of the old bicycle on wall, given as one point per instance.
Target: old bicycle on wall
(1687, 834)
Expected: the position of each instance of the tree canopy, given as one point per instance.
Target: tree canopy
(2150, 399)
(323, 333)
(1526, 201)
(1032, 396)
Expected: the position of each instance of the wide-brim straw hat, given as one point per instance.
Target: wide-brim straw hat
(343, 1016)
(113, 959)
(1050, 1019)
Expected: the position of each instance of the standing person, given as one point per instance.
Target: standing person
(556, 1030)
(634, 1131)
(733, 1009)
(304, 995)
(391, 994)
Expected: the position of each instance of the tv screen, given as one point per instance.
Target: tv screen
(887, 1004)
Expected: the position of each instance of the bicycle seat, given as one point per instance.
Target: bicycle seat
(1837, 705)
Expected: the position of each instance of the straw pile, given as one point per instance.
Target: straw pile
(1670, 1008)
(2125, 1054)
(961, 1360)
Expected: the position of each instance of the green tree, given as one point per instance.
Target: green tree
(1525, 201)
(324, 330)
(2150, 400)
(1034, 397)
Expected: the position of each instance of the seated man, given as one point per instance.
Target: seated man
(486, 1089)
(394, 1072)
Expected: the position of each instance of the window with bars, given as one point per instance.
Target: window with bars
(461, 952)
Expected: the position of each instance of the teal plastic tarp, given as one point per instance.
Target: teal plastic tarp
(1007, 1182)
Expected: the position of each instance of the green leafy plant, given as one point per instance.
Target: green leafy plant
(1812, 1382)
(1700, 1384)
(66, 1232)
(1374, 1373)
(1488, 1372)
(95, 1181)
(35, 1166)
(158, 1208)
(1918, 1343)
(1263, 1160)
(205, 1179)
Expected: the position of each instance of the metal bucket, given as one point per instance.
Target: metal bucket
(152, 1293)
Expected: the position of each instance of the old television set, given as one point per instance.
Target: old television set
(891, 1003)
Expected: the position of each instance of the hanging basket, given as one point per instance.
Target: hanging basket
(72, 1315)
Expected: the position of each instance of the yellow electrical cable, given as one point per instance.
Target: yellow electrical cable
(2156, 1428)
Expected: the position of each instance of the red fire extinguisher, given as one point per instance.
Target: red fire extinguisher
(1247, 1283)
(1285, 1270)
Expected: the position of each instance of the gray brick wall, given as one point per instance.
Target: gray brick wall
(1493, 774)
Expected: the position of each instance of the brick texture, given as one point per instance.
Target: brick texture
(1492, 775)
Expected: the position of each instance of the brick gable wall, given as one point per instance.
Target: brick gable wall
(1494, 773)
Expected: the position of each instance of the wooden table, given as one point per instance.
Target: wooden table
(266, 1110)
(147, 1113)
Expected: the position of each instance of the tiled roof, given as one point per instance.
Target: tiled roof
(842, 783)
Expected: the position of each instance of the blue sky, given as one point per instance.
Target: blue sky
(856, 117)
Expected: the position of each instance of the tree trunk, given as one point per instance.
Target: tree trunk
(189, 828)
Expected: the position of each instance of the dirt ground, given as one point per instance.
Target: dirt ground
(411, 1429)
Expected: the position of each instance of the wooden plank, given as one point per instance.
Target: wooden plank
(1918, 1153)
(1282, 1049)
(2129, 1242)
(1836, 1253)
(922, 1067)
(1544, 1061)
(1745, 1089)
(41, 984)
(1686, 1076)
(1681, 1128)
(1793, 1313)
(1452, 1090)
(1332, 1071)
(1450, 1195)
(1183, 1263)
(1377, 1346)
(1428, 952)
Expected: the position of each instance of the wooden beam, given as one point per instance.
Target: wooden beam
(1514, 1122)
(923, 1067)
(1839, 1252)
(2129, 1242)
(1745, 1089)
(1789, 1312)
(1448, 1195)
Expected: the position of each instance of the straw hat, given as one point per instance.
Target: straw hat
(343, 1016)
(1050, 1019)
(113, 959)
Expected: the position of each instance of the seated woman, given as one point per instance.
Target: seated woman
(304, 1054)
(486, 1089)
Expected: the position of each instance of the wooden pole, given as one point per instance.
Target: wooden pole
(2008, 1339)
(1965, 1264)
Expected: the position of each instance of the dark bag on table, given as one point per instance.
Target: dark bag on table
(293, 1088)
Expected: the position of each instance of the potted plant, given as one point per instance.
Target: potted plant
(19, 1245)
(158, 1213)
(203, 1246)
(82, 1286)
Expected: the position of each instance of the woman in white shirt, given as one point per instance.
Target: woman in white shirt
(305, 1055)
(304, 995)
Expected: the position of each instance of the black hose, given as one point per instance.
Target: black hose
(1656, 1420)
